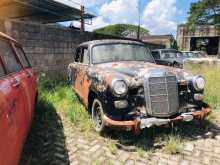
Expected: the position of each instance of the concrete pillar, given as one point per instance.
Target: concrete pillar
(219, 47)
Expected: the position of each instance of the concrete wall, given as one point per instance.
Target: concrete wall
(49, 48)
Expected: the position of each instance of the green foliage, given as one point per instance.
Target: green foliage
(121, 30)
(61, 97)
(174, 45)
(204, 12)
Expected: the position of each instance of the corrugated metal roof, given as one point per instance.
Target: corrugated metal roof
(44, 11)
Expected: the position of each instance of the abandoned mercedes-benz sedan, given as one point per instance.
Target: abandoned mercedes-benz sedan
(122, 87)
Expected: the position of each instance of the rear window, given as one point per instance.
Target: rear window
(22, 57)
(8, 57)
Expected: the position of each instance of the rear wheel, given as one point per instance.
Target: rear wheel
(175, 65)
(98, 115)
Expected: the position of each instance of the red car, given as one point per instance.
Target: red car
(18, 92)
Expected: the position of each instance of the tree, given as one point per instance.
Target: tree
(204, 12)
(122, 30)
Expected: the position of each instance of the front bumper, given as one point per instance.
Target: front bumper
(138, 124)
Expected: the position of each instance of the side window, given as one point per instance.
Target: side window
(8, 57)
(85, 59)
(82, 56)
(22, 57)
(156, 55)
(2, 72)
(77, 55)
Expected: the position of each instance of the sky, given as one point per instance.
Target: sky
(158, 16)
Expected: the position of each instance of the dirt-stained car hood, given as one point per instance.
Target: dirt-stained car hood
(132, 71)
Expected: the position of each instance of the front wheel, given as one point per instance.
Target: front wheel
(98, 115)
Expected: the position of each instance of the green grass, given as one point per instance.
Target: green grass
(212, 76)
(62, 98)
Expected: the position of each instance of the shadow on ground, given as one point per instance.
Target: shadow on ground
(157, 137)
(46, 140)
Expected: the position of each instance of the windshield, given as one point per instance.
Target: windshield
(189, 54)
(171, 54)
(120, 52)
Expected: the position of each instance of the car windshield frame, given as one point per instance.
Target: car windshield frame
(115, 60)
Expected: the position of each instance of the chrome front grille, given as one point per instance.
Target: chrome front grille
(161, 93)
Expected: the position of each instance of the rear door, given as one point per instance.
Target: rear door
(79, 73)
(29, 83)
(15, 106)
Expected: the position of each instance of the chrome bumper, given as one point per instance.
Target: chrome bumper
(138, 124)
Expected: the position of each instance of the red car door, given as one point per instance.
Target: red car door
(29, 83)
(7, 122)
(14, 104)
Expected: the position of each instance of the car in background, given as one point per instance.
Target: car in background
(18, 93)
(194, 54)
(169, 57)
(122, 87)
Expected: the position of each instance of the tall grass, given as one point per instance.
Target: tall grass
(212, 76)
(62, 98)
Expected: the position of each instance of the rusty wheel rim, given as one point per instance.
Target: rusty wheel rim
(98, 116)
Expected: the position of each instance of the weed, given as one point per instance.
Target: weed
(173, 144)
(111, 145)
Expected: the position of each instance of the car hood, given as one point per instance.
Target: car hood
(132, 70)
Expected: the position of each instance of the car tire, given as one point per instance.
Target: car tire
(98, 115)
(175, 65)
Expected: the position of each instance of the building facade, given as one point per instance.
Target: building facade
(165, 40)
(204, 37)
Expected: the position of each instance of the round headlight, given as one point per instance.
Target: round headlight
(199, 83)
(120, 88)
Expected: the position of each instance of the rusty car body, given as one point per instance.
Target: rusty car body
(18, 92)
(123, 87)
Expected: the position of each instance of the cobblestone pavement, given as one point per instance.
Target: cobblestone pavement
(60, 142)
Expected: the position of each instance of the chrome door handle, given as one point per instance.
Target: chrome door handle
(28, 74)
(15, 84)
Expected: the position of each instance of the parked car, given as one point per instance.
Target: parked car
(122, 87)
(169, 57)
(18, 92)
(194, 54)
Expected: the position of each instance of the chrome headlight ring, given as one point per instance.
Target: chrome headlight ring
(119, 88)
(198, 83)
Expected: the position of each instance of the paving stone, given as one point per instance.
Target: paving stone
(206, 160)
(94, 148)
(189, 147)
(79, 148)
(124, 156)
(217, 150)
(184, 162)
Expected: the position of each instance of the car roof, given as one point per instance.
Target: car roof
(108, 41)
(7, 37)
